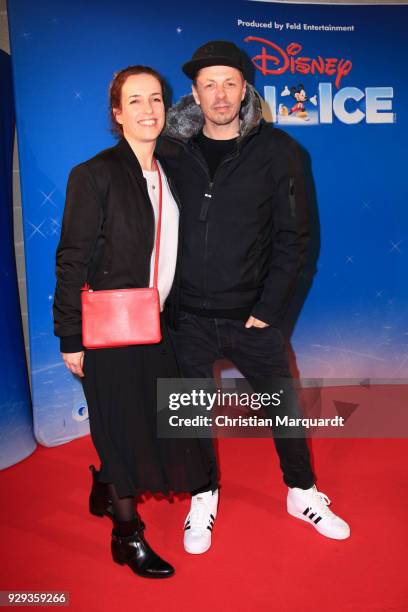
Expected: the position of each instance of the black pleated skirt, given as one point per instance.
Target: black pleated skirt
(120, 390)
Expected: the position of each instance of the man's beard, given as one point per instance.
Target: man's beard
(221, 118)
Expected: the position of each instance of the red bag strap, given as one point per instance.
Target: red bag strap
(158, 232)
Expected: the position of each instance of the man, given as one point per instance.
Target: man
(244, 241)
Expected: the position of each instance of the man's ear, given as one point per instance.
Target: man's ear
(244, 91)
(195, 94)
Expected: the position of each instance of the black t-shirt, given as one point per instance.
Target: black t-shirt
(214, 151)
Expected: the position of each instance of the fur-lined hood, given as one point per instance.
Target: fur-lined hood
(185, 119)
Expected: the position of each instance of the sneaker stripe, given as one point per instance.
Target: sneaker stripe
(209, 527)
(319, 518)
(306, 511)
(313, 514)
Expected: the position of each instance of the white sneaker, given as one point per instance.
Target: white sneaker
(312, 506)
(200, 521)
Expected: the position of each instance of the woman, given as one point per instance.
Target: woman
(107, 239)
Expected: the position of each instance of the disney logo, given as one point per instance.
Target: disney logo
(289, 59)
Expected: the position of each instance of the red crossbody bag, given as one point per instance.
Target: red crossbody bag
(124, 317)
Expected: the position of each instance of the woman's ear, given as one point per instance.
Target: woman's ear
(117, 113)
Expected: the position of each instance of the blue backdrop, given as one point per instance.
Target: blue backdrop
(351, 62)
(16, 426)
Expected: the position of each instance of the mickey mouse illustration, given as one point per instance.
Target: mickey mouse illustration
(297, 92)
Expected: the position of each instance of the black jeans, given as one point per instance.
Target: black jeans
(261, 356)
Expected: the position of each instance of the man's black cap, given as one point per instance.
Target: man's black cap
(214, 53)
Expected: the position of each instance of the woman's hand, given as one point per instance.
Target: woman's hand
(74, 362)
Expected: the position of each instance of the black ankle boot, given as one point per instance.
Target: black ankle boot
(99, 501)
(134, 551)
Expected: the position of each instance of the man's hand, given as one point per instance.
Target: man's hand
(74, 362)
(252, 322)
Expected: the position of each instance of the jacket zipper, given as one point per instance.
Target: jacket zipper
(208, 194)
(206, 203)
(292, 197)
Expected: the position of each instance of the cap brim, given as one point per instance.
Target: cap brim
(191, 68)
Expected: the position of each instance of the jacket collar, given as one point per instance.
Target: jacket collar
(125, 152)
(185, 119)
(126, 155)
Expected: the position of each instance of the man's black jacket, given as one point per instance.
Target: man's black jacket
(245, 234)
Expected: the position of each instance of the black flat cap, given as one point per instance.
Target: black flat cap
(214, 53)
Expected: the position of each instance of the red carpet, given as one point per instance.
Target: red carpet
(261, 559)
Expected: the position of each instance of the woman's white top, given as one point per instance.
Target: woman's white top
(169, 232)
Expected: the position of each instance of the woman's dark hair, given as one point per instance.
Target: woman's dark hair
(115, 91)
